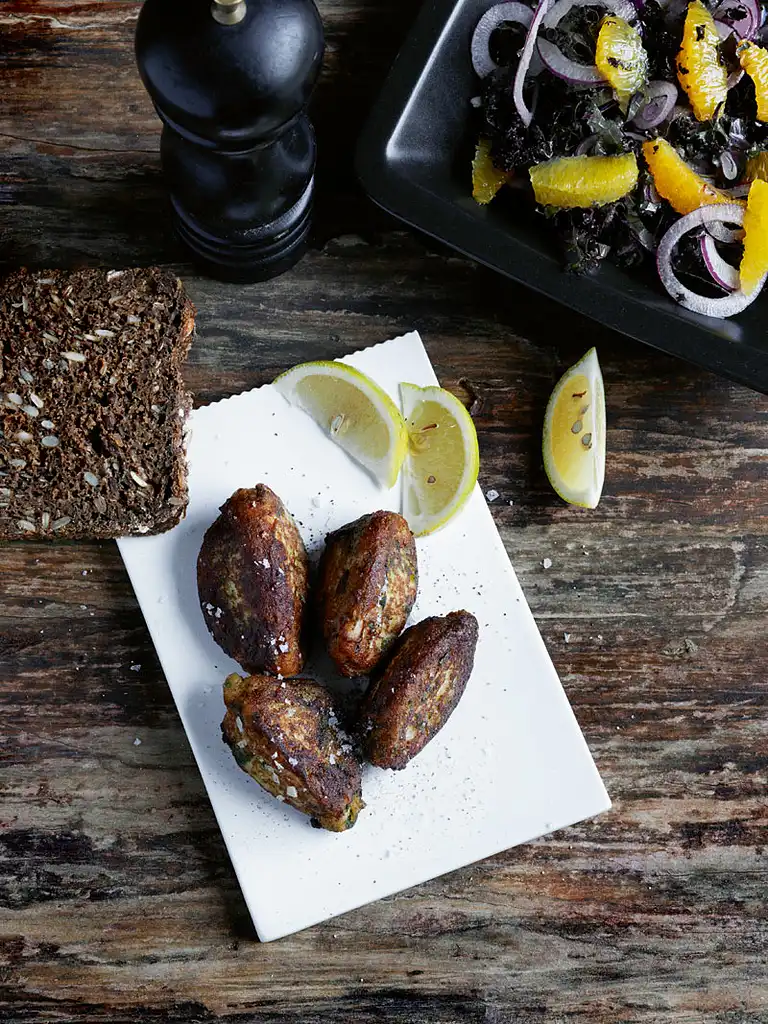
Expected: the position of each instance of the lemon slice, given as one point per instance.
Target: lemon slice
(574, 434)
(443, 458)
(357, 414)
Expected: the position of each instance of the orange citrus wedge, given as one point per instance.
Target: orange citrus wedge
(757, 166)
(701, 69)
(754, 60)
(754, 262)
(486, 179)
(570, 181)
(676, 182)
(620, 58)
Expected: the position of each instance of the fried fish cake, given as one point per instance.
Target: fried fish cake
(366, 588)
(286, 736)
(419, 689)
(252, 580)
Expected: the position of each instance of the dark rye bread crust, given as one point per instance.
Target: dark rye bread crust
(92, 402)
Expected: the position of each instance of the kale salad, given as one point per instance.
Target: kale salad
(640, 128)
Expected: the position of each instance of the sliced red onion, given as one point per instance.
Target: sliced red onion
(723, 234)
(529, 49)
(482, 61)
(729, 166)
(747, 19)
(565, 68)
(624, 8)
(662, 97)
(738, 191)
(729, 305)
(725, 29)
(722, 272)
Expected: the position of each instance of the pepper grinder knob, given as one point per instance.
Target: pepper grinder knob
(231, 80)
(228, 12)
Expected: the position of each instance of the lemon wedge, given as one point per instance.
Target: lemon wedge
(574, 434)
(356, 413)
(443, 458)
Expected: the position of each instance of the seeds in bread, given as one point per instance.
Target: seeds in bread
(92, 402)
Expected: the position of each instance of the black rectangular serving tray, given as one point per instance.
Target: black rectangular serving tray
(413, 159)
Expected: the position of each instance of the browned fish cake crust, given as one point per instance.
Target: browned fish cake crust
(285, 735)
(366, 587)
(252, 580)
(419, 689)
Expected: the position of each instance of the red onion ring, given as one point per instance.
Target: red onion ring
(624, 8)
(722, 272)
(569, 70)
(738, 191)
(662, 97)
(745, 27)
(729, 305)
(482, 61)
(723, 234)
(529, 49)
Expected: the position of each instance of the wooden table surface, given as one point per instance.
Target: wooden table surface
(118, 903)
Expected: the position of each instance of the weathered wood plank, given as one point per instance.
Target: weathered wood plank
(117, 902)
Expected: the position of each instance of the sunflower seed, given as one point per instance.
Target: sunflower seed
(55, 298)
(131, 319)
(25, 303)
(50, 441)
(17, 463)
(31, 410)
(47, 424)
(177, 501)
(25, 526)
(14, 398)
(26, 376)
(36, 401)
(59, 523)
(22, 435)
(74, 357)
(5, 492)
(138, 479)
(50, 337)
(90, 337)
(112, 274)
(48, 363)
(45, 520)
(91, 478)
(46, 280)
(102, 332)
(100, 504)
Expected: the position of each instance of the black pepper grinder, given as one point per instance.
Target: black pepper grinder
(231, 80)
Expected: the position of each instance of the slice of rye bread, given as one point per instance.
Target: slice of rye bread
(92, 402)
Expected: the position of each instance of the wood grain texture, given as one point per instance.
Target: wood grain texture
(118, 904)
